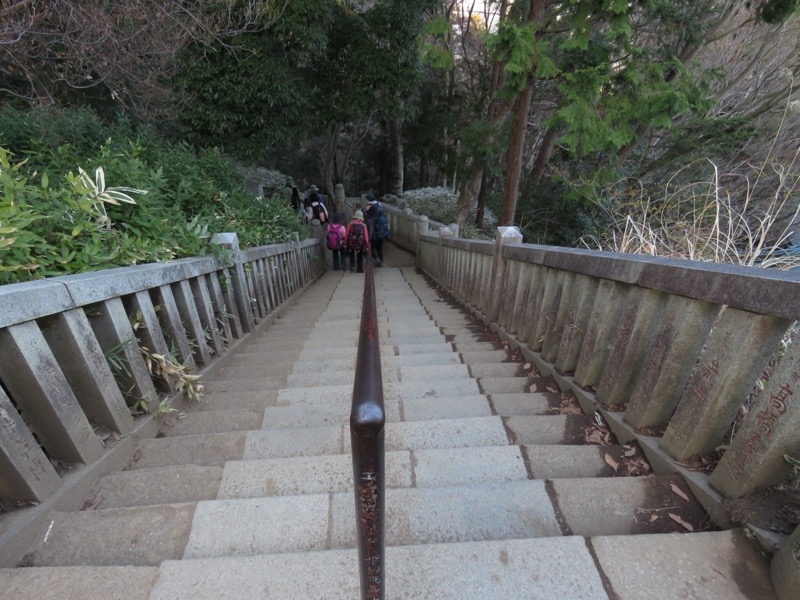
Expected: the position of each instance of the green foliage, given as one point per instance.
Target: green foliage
(63, 209)
(776, 11)
(515, 45)
(432, 45)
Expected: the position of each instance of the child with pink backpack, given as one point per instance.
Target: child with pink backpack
(335, 241)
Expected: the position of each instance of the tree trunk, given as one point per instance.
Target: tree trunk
(543, 156)
(468, 192)
(516, 146)
(519, 126)
(330, 160)
(395, 156)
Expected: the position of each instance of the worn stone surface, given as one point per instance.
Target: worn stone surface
(518, 509)
(116, 583)
(720, 564)
(672, 356)
(165, 485)
(452, 407)
(736, 353)
(769, 432)
(140, 536)
(248, 526)
(305, 475)
(462, 466)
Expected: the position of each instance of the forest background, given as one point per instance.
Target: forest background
(128, 131)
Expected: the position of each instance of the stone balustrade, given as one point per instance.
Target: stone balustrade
(59, 391)
(667, 351)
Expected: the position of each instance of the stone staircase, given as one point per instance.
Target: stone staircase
(492, 488)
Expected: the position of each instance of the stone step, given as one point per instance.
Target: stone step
(548, 429)
(571, 462)
(473, 357)
(334, 473)
(628, 505)
(495, 570)
(471, 346)
(218, 448)
(144, 536)
(503, 369)
(391, 391)
(508, 385)
(131, 583)
(243, 379)
(406, 435)
(532, 403)
(204, 422)
(302, 476)
(388, 361)
(162, 485)
(412, 409)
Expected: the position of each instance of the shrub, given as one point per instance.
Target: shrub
(439, 204)
(53, 220)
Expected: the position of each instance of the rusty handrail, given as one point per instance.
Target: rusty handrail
(367, 419)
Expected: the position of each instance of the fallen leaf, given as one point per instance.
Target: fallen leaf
(679, 491)
(630, 452)
(611, 462)
(534, 388)
(653, 517)
(526, 366)
(680, 521)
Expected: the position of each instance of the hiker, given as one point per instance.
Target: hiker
(315, 207)
(356, 241)
(291, 195)
(335, 241)
(378, 228)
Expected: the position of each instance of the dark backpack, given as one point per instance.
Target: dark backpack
(355, 240)
(318, 211)
(335, 241)
(382, 226)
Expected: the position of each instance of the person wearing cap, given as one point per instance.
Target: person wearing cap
(356, 241)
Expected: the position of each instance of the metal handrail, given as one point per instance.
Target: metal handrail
(367, 420)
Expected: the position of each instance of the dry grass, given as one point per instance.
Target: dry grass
(741, 218)
(705, 221)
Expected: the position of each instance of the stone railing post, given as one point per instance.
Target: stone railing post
(505, 235)
(422, 229)
(230, 241)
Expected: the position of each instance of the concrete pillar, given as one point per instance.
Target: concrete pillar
(230, 242)
(184, 300)
(205, 309)
(70, 335)
(221, 310)
(771, 430)
(422, 229)
(673, 353)
(504, 235)
(609, 306)
(735, 355)
(25, 471)
(171, 317)
(557, 317)
(113, 329)
(581, 303)
(34, 379)
(634, 337)
(542, 306)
